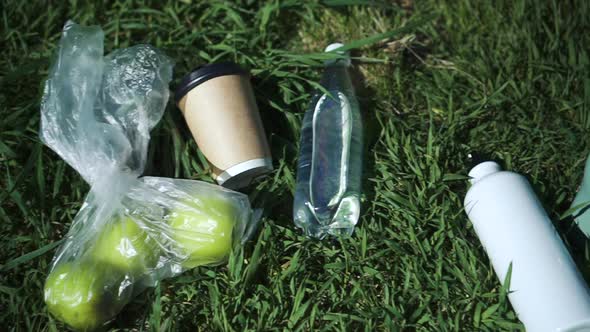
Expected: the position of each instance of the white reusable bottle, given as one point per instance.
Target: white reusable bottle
(547, 291)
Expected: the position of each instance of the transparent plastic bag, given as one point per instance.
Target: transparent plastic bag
(131, 232)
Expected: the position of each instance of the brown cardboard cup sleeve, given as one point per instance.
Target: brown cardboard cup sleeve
(219, 107)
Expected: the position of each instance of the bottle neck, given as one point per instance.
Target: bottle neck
(336, 77)
(482, 170)
(341, 62)
(344, 60)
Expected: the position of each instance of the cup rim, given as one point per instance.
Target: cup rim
(203, 73)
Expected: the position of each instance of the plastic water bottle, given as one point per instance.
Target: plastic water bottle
(547, 291)
(327, 195)
(582, 202)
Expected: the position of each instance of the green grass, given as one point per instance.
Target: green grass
(509, 79)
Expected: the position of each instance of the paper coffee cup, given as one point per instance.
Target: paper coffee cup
(218, 105)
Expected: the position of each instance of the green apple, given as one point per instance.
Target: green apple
(202, 228)
(123, 244)
(84, 295)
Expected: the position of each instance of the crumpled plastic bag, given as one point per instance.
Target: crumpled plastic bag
(131, 231)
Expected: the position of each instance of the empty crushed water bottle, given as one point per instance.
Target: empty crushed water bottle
(327, 195)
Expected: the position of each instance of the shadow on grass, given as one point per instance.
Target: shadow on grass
(579, 243)
(371, 131)
(134, 311)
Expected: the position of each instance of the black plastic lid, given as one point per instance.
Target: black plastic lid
(204, 73)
